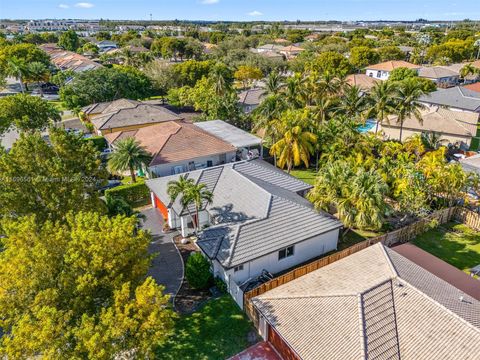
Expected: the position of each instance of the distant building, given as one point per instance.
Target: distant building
(68, 60)
(455, 98)
(382, 71)
(249, 99)
(362, 81)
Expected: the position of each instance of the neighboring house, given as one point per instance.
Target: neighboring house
(269, 47)
(68, 60)
(249, 99)
(363, 81)
(457, 67)
(106, 45)
(291, 51)
(382, 71)
(248, 146)
(471, 164)
(126, 115)
(453, 126)
(258, 220)
(272, 55)
(374, 304)
(177, 147)
(473, 87)
(456, 98)
(441, 76)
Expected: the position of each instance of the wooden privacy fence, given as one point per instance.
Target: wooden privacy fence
(402, 235)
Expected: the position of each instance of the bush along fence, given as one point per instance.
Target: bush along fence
(405, 234)
(135, 194)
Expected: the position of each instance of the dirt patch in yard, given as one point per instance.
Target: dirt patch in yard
(188, 299)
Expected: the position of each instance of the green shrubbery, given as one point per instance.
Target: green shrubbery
(197, 272)
(134, 194)
(98, 142)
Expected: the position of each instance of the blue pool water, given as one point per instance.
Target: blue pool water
(369, 125)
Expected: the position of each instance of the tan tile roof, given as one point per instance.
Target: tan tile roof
(440, 120)
(436, 72)
(363, 81)
(174, 141)
(393, 64)
(361, 307)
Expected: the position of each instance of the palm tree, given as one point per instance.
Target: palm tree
(432, 140)
(295, 93)
(38, 72)
(296, 146)
(353, 103)
(190, 193)
(274, 83)
(468, 69)
(17, 68)
(381, 104)
(406, 102)
(200, 196)
(128, 155)
(220, 85)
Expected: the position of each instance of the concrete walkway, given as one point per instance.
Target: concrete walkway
(167, 266)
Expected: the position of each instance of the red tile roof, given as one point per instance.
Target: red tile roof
(473, 87)
(174, 141)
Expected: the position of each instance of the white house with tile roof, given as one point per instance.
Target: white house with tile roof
(258, 220)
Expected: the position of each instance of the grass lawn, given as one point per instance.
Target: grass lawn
(354, 236)
(217, 331)
(306, 175)
(128, 180)
(454, 243)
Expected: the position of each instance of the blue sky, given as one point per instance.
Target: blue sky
(243, 9)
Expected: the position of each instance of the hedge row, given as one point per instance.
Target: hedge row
(134, 194)
(98, 141)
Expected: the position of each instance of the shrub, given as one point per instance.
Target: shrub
(98, 142)
(220, 284)
(197, 271)
(134, 194)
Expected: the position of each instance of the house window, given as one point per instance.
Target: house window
(284, 253)
(238, 268)
(379, 74)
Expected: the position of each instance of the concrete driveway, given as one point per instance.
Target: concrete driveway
(167, 266)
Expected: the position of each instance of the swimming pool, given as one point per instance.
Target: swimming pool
(369, 125)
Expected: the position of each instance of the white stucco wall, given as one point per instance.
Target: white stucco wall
(377, 74)
(201, 162)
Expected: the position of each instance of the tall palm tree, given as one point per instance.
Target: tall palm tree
(295, 92)
(432, 140)
(406, 102)
(190, 193)
(468, 69)
(274, 83)
(296, 146)
(38, 72)
(353, 103)
(381, 102)
(18, 69)
(128, 155)
(200, 196)
(220, 85)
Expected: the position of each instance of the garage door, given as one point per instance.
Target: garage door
(279, 344)
(161, 206)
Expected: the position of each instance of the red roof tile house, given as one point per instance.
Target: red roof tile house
(177, 147)
(382, 71)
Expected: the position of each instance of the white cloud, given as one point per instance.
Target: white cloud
(63, 6)
(209, 2)
(84, 5)
(255, 13)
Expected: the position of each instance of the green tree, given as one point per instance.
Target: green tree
(402, 73)
(294, 147)
(353, 103)
(390, 52)
(27, 113)
(381, 102)
(246, 74)
(17, 69)
(37, 72)
(105, 84)
(48, 180)
(406, 102)
(69, 40)
(197, 271)
(274, 83)
(79, 289)
(362, 56)
(331, 62)
(128, 155)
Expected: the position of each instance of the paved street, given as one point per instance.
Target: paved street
(167, 267)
